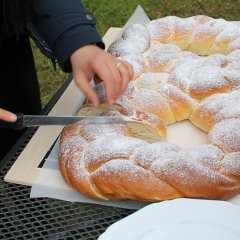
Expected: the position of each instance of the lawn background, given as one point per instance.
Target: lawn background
(112, 13)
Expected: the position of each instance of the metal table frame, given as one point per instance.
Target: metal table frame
(43, 218)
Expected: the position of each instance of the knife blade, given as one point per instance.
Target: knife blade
(42, 120)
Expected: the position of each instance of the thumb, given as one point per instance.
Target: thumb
(7, 116)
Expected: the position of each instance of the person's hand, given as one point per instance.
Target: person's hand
(90, 60)
(7, 116)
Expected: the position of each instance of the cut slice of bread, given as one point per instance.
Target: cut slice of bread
(142, 125)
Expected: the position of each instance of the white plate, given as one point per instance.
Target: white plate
(188, 219)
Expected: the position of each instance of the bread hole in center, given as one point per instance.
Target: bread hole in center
(185, 134)
(182, 133)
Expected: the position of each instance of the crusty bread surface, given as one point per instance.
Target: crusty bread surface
(185, 68)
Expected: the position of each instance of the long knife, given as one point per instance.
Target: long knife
(42, 120)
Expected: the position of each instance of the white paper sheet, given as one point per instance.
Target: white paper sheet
(139, 16)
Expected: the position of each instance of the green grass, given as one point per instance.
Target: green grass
(116, 13)
(112, 13)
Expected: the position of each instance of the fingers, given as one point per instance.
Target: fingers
(115, 76)
(126, 72)
(82, 82)
(91, 60)
(7, 116)
(111, 78)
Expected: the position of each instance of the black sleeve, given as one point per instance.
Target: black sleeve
(66, 26)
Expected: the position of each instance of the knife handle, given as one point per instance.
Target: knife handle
(18, 125)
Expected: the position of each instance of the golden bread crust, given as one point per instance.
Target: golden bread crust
(185, 68)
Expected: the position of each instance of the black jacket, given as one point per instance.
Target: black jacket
(61, 27)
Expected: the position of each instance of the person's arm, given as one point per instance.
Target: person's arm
(70, 32)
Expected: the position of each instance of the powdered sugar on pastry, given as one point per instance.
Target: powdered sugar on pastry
(226, 135)
(215, 109)
(184, 68)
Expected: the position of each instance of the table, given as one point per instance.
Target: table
(24, 218)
